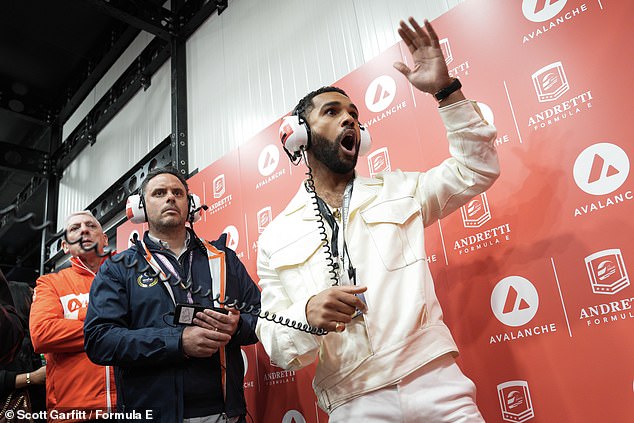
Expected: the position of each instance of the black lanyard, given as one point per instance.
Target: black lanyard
(330, 219)
(332, 222)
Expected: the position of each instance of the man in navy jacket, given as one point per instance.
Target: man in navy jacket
(180, 372)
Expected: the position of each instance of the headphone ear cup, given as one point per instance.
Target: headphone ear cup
(134, 209)
(194, 203)
(366, 142)
(293, 135)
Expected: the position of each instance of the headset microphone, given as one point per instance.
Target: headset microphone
(196, 214)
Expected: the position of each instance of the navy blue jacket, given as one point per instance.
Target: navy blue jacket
(129, 324)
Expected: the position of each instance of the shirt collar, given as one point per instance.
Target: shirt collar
(165, 246)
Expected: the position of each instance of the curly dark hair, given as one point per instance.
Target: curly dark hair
(305, 105)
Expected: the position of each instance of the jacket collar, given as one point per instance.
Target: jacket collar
(80, 267)
(157, 246)
(362, 192)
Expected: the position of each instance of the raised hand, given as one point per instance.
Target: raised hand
(430, 72)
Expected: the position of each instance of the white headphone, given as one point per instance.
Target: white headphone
(135, 208)
(295, 134)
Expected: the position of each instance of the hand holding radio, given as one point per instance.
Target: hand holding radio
(334, 307)
(430, 73)
(218, 319)
(202, 342)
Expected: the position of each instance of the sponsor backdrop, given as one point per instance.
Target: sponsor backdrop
(533, 274)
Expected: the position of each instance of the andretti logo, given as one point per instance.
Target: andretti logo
(607, 273)
(380, 93)
(477, 212)
(515, 401)
(379, 161)
(542, 10)
(456, 70)
(446, 50)
(550, 82)
(264, 216)
(219, 186)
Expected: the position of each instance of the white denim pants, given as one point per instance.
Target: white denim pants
(436, 393)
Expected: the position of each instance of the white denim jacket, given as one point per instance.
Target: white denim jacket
(403, 327)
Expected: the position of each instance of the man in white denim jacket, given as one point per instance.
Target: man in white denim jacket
(388, 355)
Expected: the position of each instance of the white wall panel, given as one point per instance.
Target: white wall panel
(245, 68)
(142, 124)
(378, 21)
(251, 64)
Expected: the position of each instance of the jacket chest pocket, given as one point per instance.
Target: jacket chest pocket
(301, 266)
(155, 298)
(396, 229)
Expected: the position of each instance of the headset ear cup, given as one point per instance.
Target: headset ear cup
(293, 135)
(366, 142)
(194, 203)
(134, 209)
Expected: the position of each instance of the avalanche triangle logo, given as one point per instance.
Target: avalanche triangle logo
(601, 168)
(542, 10)
(293, 416)
(233, 237)
(380, 93)
(268, 160)
(514, 301)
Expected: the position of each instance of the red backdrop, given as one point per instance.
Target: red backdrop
(532, 275)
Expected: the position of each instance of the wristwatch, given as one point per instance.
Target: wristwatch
(28, 378)
(445, 92)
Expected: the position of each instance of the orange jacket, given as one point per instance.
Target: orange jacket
(58, 311)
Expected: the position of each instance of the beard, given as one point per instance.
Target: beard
(329, 153)
(166, 223)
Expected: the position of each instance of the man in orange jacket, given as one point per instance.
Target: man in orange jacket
(59, 307)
